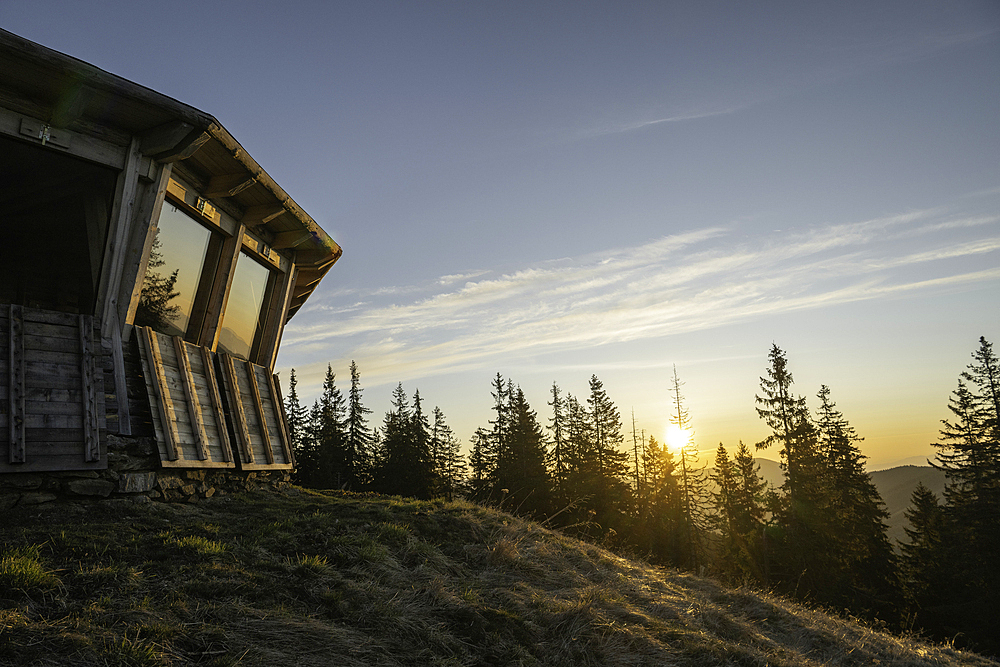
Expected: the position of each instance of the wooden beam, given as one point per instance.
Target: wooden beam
(139, 244)
(254, 216)
(68, 142)
(89, 381)
(265, 436)
(279, 407)
(219, 297)
(191, 394)
(290, 239)
(167, 418)
(213, 394)
(115, 244)
(15, 390)
(121, 384)
(228, 185)
(274, 322)
(236, 408)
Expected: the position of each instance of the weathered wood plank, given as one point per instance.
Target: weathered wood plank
(44, 331)
(89, 379)
(56, 434)
(279, 404)
(255, 394)
(51, 317)
(42, 344)
(124, 426)
(167, 418)
(191, 393)
(237, 412)
(16, 431)
(216, 403)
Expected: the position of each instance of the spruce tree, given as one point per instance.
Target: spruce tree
(863, 576)
(359, 435)
(970, 457)
(296, 414)
(740, 509)
(800, 543)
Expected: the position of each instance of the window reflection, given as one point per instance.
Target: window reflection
(245, 311)
(173, 273)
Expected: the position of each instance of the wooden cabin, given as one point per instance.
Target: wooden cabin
(148, 266)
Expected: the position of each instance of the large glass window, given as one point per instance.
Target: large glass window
(176, 264)
(246, 310)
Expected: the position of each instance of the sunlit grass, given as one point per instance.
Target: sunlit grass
(316, 579)
(21, 570)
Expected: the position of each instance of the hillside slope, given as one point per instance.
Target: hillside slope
(310, 579)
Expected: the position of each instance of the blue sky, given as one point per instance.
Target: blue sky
(554, 189)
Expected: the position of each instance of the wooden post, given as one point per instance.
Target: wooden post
(121, 384)
(88, 377)
(15, 415)
(115, 245)
(216, 308)
(140, 242)
(191, 394)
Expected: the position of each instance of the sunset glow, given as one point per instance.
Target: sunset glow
(677, 437)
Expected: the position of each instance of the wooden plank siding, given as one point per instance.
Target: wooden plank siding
(193, 432)
(52, 391)
(251, 398)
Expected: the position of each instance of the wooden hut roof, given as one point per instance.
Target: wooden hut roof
(70, 94)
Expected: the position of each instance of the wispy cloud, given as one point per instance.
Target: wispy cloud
(681, 283)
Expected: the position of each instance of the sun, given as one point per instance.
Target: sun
(678, 437)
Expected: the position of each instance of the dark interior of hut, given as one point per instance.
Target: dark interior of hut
(54, 212)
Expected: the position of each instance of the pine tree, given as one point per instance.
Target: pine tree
(525, 477)
(331, 436)
(359, 435)
(740, 508)
(296, 414)
(405, 463)
(558, 452)
(660, 525)
(801, 539)
(866, 579)
(970, 458)
(691, 479)
(926, 567)
(446, 457)
(611, 497)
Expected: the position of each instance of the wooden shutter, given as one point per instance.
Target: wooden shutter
(51, 391)
(187, 410)
(257, 414)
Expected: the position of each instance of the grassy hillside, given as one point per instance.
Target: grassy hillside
(310, 579)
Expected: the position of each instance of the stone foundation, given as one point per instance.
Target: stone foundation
(133, 473)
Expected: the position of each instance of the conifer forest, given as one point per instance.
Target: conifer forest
(578, 465)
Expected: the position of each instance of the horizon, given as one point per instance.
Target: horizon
(556, 190)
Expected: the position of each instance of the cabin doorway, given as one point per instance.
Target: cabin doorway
(54, 213)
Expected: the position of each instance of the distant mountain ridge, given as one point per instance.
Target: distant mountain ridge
(895, 485)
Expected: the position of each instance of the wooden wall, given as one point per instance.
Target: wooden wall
(51, 391)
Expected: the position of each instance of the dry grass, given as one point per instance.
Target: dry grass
(313, 579)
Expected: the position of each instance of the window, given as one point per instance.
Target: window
(246, 311)
(176, 269)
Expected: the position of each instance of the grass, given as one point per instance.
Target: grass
(317, 579)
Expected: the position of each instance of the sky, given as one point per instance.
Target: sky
(553, 190)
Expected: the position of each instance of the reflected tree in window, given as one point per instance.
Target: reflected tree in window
(154, 309)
